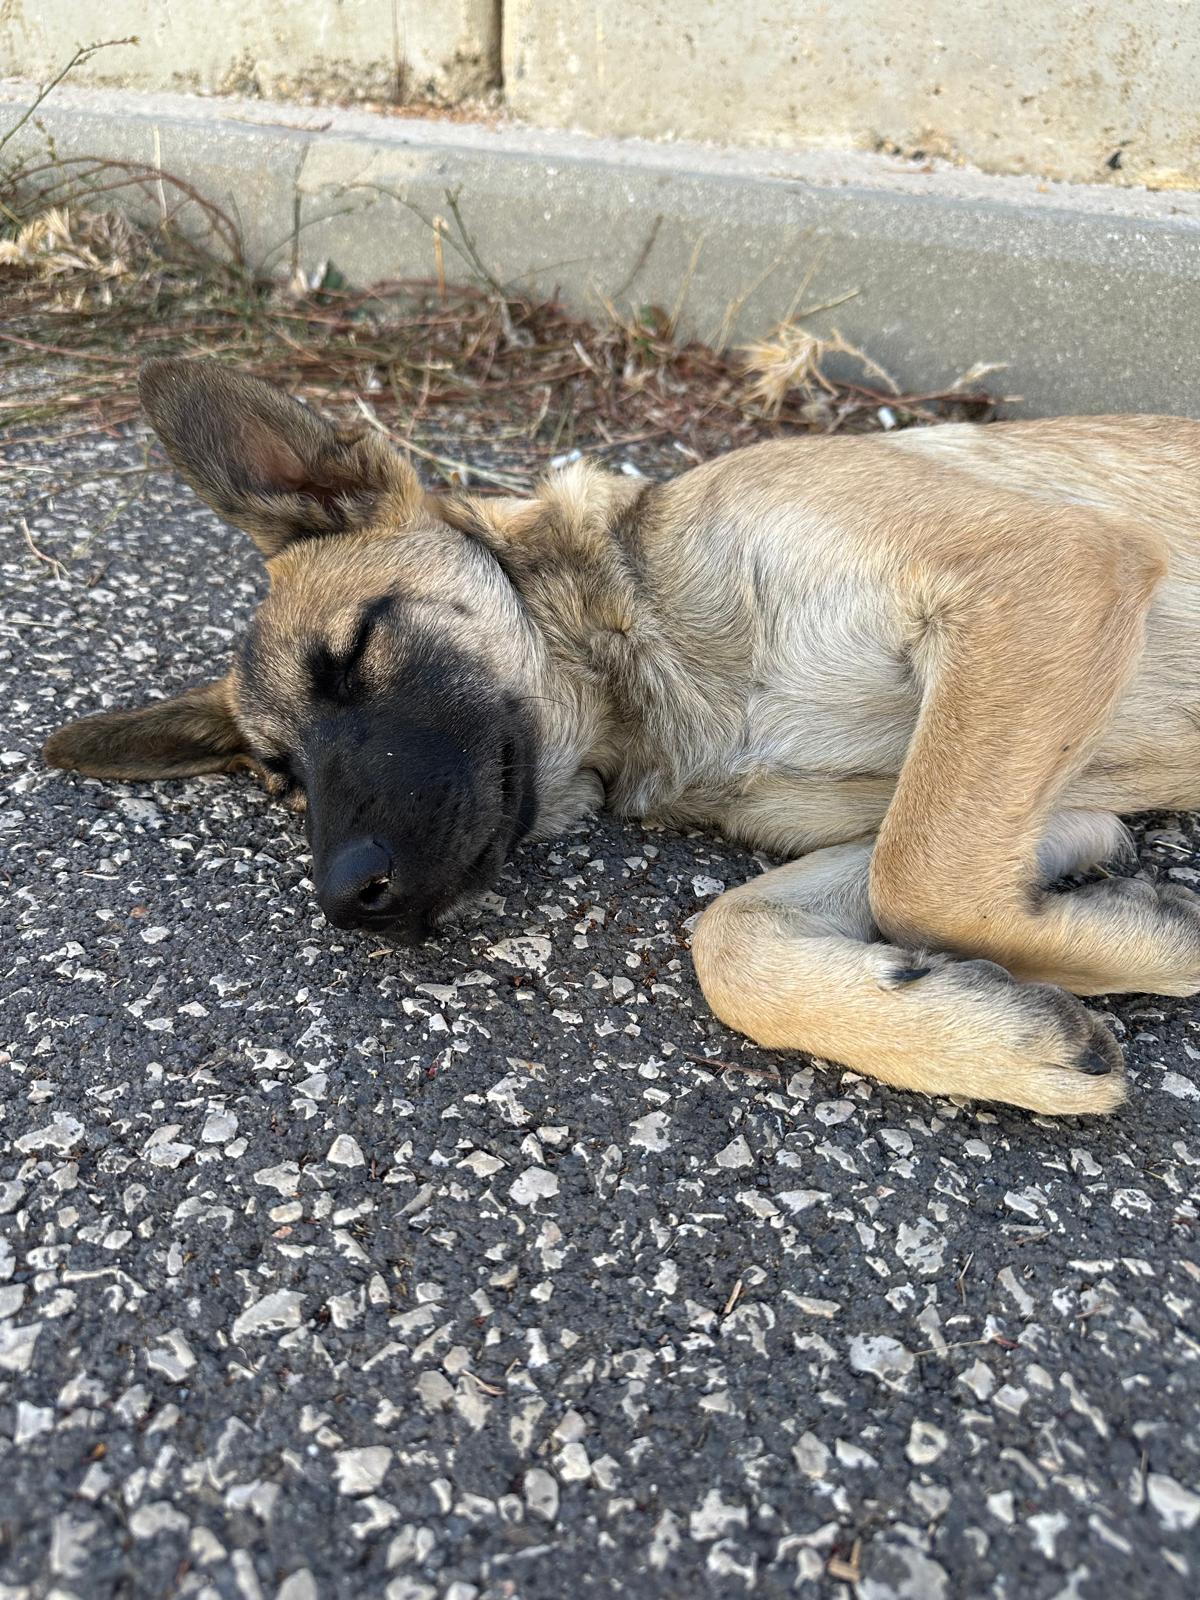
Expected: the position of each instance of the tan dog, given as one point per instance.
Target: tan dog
(932, 666)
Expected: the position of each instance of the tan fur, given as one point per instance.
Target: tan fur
(935, 665)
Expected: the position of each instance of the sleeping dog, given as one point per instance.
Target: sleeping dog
(929, 669)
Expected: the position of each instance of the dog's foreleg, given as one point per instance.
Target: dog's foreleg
(786, 960)
(1022, 678)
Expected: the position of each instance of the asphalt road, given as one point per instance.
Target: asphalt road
(332, 1270)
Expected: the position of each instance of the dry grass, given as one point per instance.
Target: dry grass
(87, 294)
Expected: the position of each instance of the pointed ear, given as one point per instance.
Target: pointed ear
(268, 464)
(196, 732)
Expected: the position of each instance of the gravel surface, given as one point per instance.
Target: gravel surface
(334, 1270)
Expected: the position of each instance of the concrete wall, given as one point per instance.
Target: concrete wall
(333, 49)
(1089, 90)
(1039, 86)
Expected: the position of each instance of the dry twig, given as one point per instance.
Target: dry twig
(57, 570)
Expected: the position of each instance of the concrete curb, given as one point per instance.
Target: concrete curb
(1091, 295)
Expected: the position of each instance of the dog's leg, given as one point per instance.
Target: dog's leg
(786, 959)
(1021, 677)
(1079, 839)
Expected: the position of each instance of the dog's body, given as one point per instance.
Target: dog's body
(933, 666)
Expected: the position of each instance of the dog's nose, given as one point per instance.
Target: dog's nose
(357, 887)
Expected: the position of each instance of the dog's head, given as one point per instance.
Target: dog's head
(390, 679)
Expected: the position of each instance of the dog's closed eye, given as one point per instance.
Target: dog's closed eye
(335, 674)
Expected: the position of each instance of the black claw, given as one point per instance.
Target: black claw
(910, 974)
(1095, 1065)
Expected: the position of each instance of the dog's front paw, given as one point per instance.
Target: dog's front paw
(993, 1038)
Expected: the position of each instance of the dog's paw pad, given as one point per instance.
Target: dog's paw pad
(1094, 1064)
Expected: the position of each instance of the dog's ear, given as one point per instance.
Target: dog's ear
(268, 464)
(196, 732)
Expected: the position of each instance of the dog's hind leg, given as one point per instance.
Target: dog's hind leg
(787, 960)
(1079, 839)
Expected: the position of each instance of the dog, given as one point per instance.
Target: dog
(929, 669)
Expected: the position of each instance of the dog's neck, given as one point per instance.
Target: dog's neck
(624, 702)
